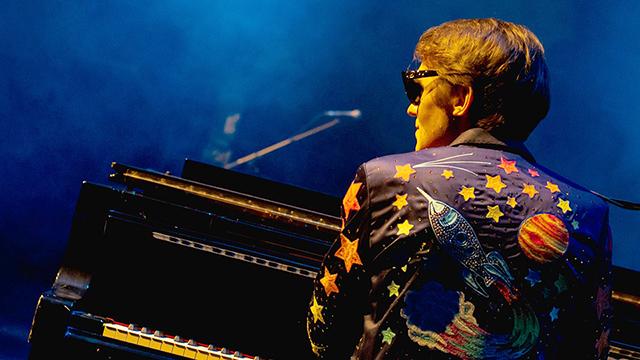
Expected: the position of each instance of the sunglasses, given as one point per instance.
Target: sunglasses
(411, 87)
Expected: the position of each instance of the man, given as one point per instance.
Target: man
(467, 248)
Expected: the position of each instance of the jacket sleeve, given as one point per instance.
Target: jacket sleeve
(335, 313)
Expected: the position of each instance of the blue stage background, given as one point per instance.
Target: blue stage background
(149, 83)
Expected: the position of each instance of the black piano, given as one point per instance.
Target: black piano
(211, 264)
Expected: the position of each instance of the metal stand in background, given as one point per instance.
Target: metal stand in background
(282, 143)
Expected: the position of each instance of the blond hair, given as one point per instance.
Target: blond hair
(504, 64)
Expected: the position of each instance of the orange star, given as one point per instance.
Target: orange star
(467, 193)
(404, 228)
(329, 282)
(448, 174)
(350, 201)
(552, 187)
(529, 190)
(403, 172)
(512, 202)
(533, 172)
(495, 183)
(401, 201)
(494, 213)
(348, 252)
(509, 166)
(564, 205)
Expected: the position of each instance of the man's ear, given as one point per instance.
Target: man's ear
(462, 98)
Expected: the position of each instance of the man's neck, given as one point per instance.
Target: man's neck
(482, 138)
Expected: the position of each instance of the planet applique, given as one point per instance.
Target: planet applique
(543, 238)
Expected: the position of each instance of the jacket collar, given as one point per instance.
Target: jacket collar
(481, 138)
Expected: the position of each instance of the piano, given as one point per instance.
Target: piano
(211, 264)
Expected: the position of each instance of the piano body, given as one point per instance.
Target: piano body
(209, 265)
(219, 266)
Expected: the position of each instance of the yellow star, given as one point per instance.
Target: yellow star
(404, 171)
(564, 205)
(508, 165)
(388, 335)
(495, 183)
(316, 310)
(552, 187)
(401, 201)
(348, 252)
(350, 202)
(512, 202)
(404, 268)
(467, 193)
(329, 282)
(529, 190)
(448, 174)
(494, 213)
(393, 289)
(403, 228)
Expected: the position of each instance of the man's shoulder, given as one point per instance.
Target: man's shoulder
(479, 167)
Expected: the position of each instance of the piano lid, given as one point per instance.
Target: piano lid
(260, 187)
(176, 188)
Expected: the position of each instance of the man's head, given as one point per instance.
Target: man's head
(490, 74)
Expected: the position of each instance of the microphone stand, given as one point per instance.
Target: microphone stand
(282, 143)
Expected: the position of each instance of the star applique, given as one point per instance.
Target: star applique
(533, 277)
(512, 202)
(533, 172)
(348, 252)
(404, 227)
(564, 205)
(350, 202)
(494, 213)
(329, 282)
(529, 190)
(393, 289)
(495, 183)
(388, 335)
(552, 187)
(316, 310)
(467, 193)
(603, 342)
(554, 313)
(447, 174)
(401, 201)
(560, 284)
(403, 171)
(575, 224)
(509, 166)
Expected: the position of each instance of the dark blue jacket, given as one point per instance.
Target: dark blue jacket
(469, 251)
